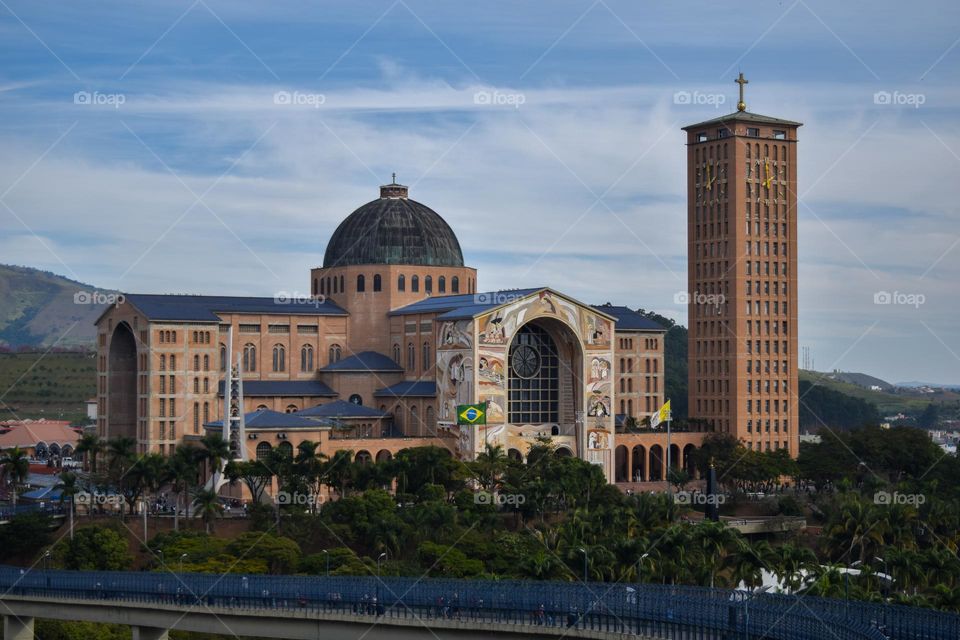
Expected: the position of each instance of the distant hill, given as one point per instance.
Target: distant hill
(41, 309)
(859, 379)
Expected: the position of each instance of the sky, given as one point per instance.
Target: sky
(212, 147)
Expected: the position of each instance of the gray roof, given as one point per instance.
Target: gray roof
(364, 361)
(409, 389)
(393, 231)
(205, 308)
(628, 319)
(268, 419)
(744, 116)
(290, 388)
(465, 305)
(341, 409)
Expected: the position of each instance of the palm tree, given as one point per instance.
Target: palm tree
(155, 474)
(15, 468)
(715, 540)
(182, 474)
(90, 446)
(489, 467)
(216, 451)
(68, 487)
(207, 504)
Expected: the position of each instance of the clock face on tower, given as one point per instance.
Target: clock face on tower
(525, 361)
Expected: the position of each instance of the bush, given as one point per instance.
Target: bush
(95, 548)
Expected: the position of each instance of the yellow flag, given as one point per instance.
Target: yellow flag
(661, 416)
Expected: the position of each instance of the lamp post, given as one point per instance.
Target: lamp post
(46, 559)
(640, 562)
(160, 553)
(585, 561)
(182, 557)
(380, 557)
(327, 558)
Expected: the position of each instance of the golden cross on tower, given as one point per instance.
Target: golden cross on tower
(741, 105)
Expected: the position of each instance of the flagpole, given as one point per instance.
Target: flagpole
(667, 474)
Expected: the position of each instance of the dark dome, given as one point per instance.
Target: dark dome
(393, 230)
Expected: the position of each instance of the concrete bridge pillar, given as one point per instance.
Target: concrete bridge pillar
(144, 633)
(15, 628)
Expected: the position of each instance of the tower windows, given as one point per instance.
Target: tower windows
(361, 283)
(377, 283)
(455, 284)
(415, 284)
(428, 284)
(401, 283)
(279, 358)
(441, 284)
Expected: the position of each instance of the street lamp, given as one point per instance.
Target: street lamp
(640, 562)
(380, 557)
(160, 553)
(182, 558)
(327, 557)
(46, 559)
(584, 552)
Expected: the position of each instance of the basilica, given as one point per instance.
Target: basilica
(395, 336)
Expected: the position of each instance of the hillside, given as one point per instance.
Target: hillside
(46, 385)
(39, 308)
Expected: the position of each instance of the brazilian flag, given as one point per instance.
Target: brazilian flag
(471, 414)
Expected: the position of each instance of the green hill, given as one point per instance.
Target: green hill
(42, 384)
(42, 309)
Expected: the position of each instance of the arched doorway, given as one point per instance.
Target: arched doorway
(621, 472)
(384, 456)
(515, 454)
(675, 460)
(639, 463)
(122, 377)
(363, 457)
(563, 452)
(656, 463)
(689, 463)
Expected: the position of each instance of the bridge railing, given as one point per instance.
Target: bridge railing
(663, 611)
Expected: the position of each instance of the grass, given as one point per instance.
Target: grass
(903, 400)
(55, 385)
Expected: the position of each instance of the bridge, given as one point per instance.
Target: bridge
(302, 607)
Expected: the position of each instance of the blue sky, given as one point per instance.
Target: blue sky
(185, 173)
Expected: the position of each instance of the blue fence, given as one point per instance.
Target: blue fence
(49, 508)
(643, 609)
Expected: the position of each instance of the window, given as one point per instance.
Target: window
(411, 357)
(335, 283)
(356, 399)
(377, 283)
(415, 284)
(196, 417)
(753, 132)
(291, 408)
(223, 357)
(263, 450)
(401, 283)
(428, 284)
(426, 355)
(455, 284)
(306, 359)
(779, 135)
(279, 358)
(702, 137)
(206, 363)
(534, 378)
(441, 285)
(249, 358)
(196, 363)
(335, 353)
(206, 412)
(361, 283)
(323, 288)
(396, 353)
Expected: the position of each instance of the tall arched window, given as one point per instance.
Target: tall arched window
(534, 377)
(306, 359)
(223, 357)
(411, 357)
(343, 289)
(263, 450)
(455, 284)
(206, 363)
(396, 353)
(415, 421)
(441, 285)
(361, 283)
(426, 355)
(335, 353)
(315, 287)
(377, 282)
(249, 357)
(323, 286)
(279, 358)
(206, 412)
(428, 284)
(415, 284)
(196, 417)
(196, 363)
(335, 283)
(401, 282)
(429, 420)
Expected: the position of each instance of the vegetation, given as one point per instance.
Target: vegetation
(52, 385)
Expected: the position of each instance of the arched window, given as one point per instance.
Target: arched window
(428, 284)
(306, 359)
(415, 284)
(323, 287)
(415, 421)
(401, 283)
(196, 363)
(335, 283)
(249, 357)
(343, 289)
(196, 417)
(206, 412)
(356, 399)
(223, 357)
(534, 378)
(291, 408)
(455, 284)
(426, 355)
(361, 283)
(279, 358)
(206, 363)
(263, 450)
(315, 286)
(396, 353)
(286, 449)
(411, 357)
(429, 421)
(441, 285)
(377, 282)
(335, 353)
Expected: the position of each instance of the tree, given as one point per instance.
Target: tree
(15, 467)
(281, 555)
(121, 457)
(182, 471)
(216, 451)
(255, 474)
(90, 447)
(206, 504)
(95, 548)
(68, 487)
(489, 467)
